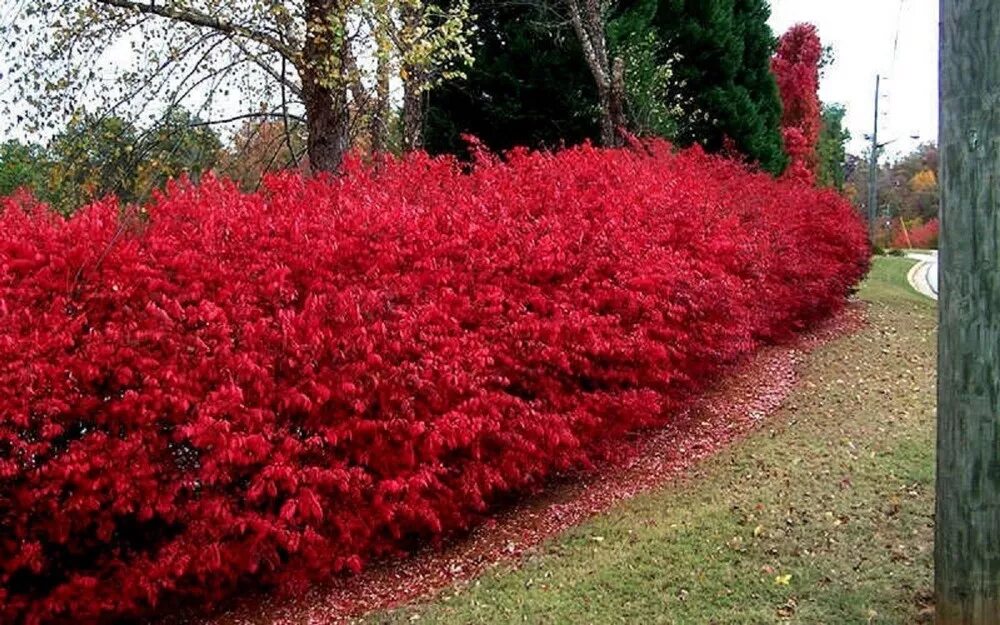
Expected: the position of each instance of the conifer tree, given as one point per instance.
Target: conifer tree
(528, 85)
(725, 49)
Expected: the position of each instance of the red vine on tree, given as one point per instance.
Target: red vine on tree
(796, 69)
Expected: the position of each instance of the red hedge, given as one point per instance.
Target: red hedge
(275, 387)
(920, 236)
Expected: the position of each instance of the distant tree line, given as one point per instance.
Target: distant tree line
(907, 190)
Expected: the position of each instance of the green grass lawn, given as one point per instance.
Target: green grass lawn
(824, 516)
(887, 281)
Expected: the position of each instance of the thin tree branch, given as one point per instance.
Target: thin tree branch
(281, 78)
(262, 114)
(204, 20)
(284, 116)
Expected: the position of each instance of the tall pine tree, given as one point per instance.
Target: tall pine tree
(724, 71)
(832, 149)
(528, 85)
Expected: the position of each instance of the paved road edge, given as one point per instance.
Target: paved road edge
(917, 277)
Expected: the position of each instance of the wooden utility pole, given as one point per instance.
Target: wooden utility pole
(967, 542)
(873, 171)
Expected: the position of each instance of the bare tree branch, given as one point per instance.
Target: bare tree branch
(284, 116)
(204, 20)
(280, 77)
(260, 115)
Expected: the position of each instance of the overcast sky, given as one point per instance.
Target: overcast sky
(863, 34)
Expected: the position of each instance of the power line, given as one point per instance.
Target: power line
(890, 93)
(899, 27)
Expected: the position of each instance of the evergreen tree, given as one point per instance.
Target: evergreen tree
(698, 72)
(528, 85)
(832, 150)
(724, 71)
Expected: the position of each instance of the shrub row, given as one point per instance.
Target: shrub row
(917, 235)
(227, 388)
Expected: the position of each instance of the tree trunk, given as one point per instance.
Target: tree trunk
(607, 126)
(324, 87)
(413, 89)
(413, 116)
(588, 23)
(379, 128)
(327, 123)
(967, 520)
(381, 110)
(611, 99)
(616, 103)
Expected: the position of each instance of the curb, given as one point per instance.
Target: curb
(917, 277)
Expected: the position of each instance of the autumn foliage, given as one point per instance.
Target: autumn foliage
(796, 69)
(917, 235)
(231, 388)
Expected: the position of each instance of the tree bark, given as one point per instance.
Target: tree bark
(588, 23)
(607, 127)
(324, 92)
(616, 104)
(379, 127)
(413, 89)
(381, 110)
(413, 117)
(327, 122)
(967, 520)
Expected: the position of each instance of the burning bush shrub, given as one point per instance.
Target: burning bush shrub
(278, 386)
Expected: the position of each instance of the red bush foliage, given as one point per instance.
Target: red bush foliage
(796, 69)
(922, 236)
(279, 386)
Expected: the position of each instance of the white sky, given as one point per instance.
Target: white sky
(862, 33)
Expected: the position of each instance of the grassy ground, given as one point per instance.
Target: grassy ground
(822, 517)
(887, 282)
